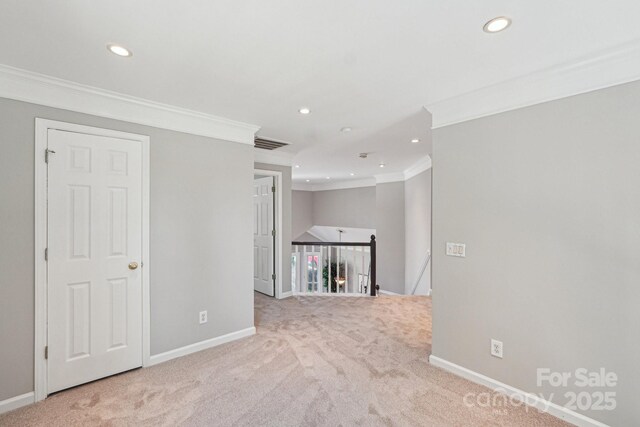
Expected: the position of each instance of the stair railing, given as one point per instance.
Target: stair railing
(335, 268)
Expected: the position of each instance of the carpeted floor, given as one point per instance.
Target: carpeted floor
(315, 361)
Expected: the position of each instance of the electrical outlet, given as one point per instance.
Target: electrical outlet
(456, 249)
(203, 317)
(496, 348)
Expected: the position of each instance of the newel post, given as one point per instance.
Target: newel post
(374, 283)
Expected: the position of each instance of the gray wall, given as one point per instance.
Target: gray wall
(301, 212)
(286, 221)
(352, 207)
(417, 217)
(547, 199)
(399, 211)
(390, 229)
(200, 220)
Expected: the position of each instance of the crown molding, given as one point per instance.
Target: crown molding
(606, 68)
(417, 168)
(301, 186)
(281, 158)
(27, 86)
(336, 185)
(420, 166)
(389, 177)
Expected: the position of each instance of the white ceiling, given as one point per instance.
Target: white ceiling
(367, 64)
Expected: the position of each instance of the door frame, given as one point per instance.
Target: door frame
(41, 232)
(278, 225)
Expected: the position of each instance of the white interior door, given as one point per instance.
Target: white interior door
(263, 236)
(94, 232)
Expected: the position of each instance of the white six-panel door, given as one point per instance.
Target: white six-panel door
(263, 238)
(94, 296)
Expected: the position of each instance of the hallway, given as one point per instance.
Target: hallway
(315, 361)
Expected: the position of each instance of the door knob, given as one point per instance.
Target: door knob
(133, 265)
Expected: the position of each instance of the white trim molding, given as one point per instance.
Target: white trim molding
(420, 166)
(336, 185)
(603, 69)
(17, 402)
(389, 177)
(528, 398)
(202, 345)
(42, 127)
(36, 88)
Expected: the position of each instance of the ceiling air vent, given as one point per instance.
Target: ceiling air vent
(267, 144)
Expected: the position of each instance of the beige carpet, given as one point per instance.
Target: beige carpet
(315, 361)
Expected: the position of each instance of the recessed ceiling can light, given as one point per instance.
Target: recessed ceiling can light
(328, 177)
(308, 180)
(345, 129)
(304, 110)
(352, 174)
(297, 166)
(415, 140)
(381, 165)
(119, 50)
(496, 25)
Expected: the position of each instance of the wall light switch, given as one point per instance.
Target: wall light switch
(456, 249)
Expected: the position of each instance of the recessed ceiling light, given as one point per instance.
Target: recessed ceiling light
(297, 166)
(304, 110)
(496, 25)
(415, 140)
(328, 177)
(345, 129)
(308, 180)
(381, 165)
(352, 174)
(119, 50)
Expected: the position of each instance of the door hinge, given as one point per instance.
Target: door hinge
(46, 254)
(273, 276)
(47, 153)
(273, 189)
(46, 352)
(273, 233)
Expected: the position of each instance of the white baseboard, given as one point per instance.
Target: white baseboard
(17, 402)
(199, 346)
(532, 400)
(383, 292)
(286, 295)
(29, 398)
